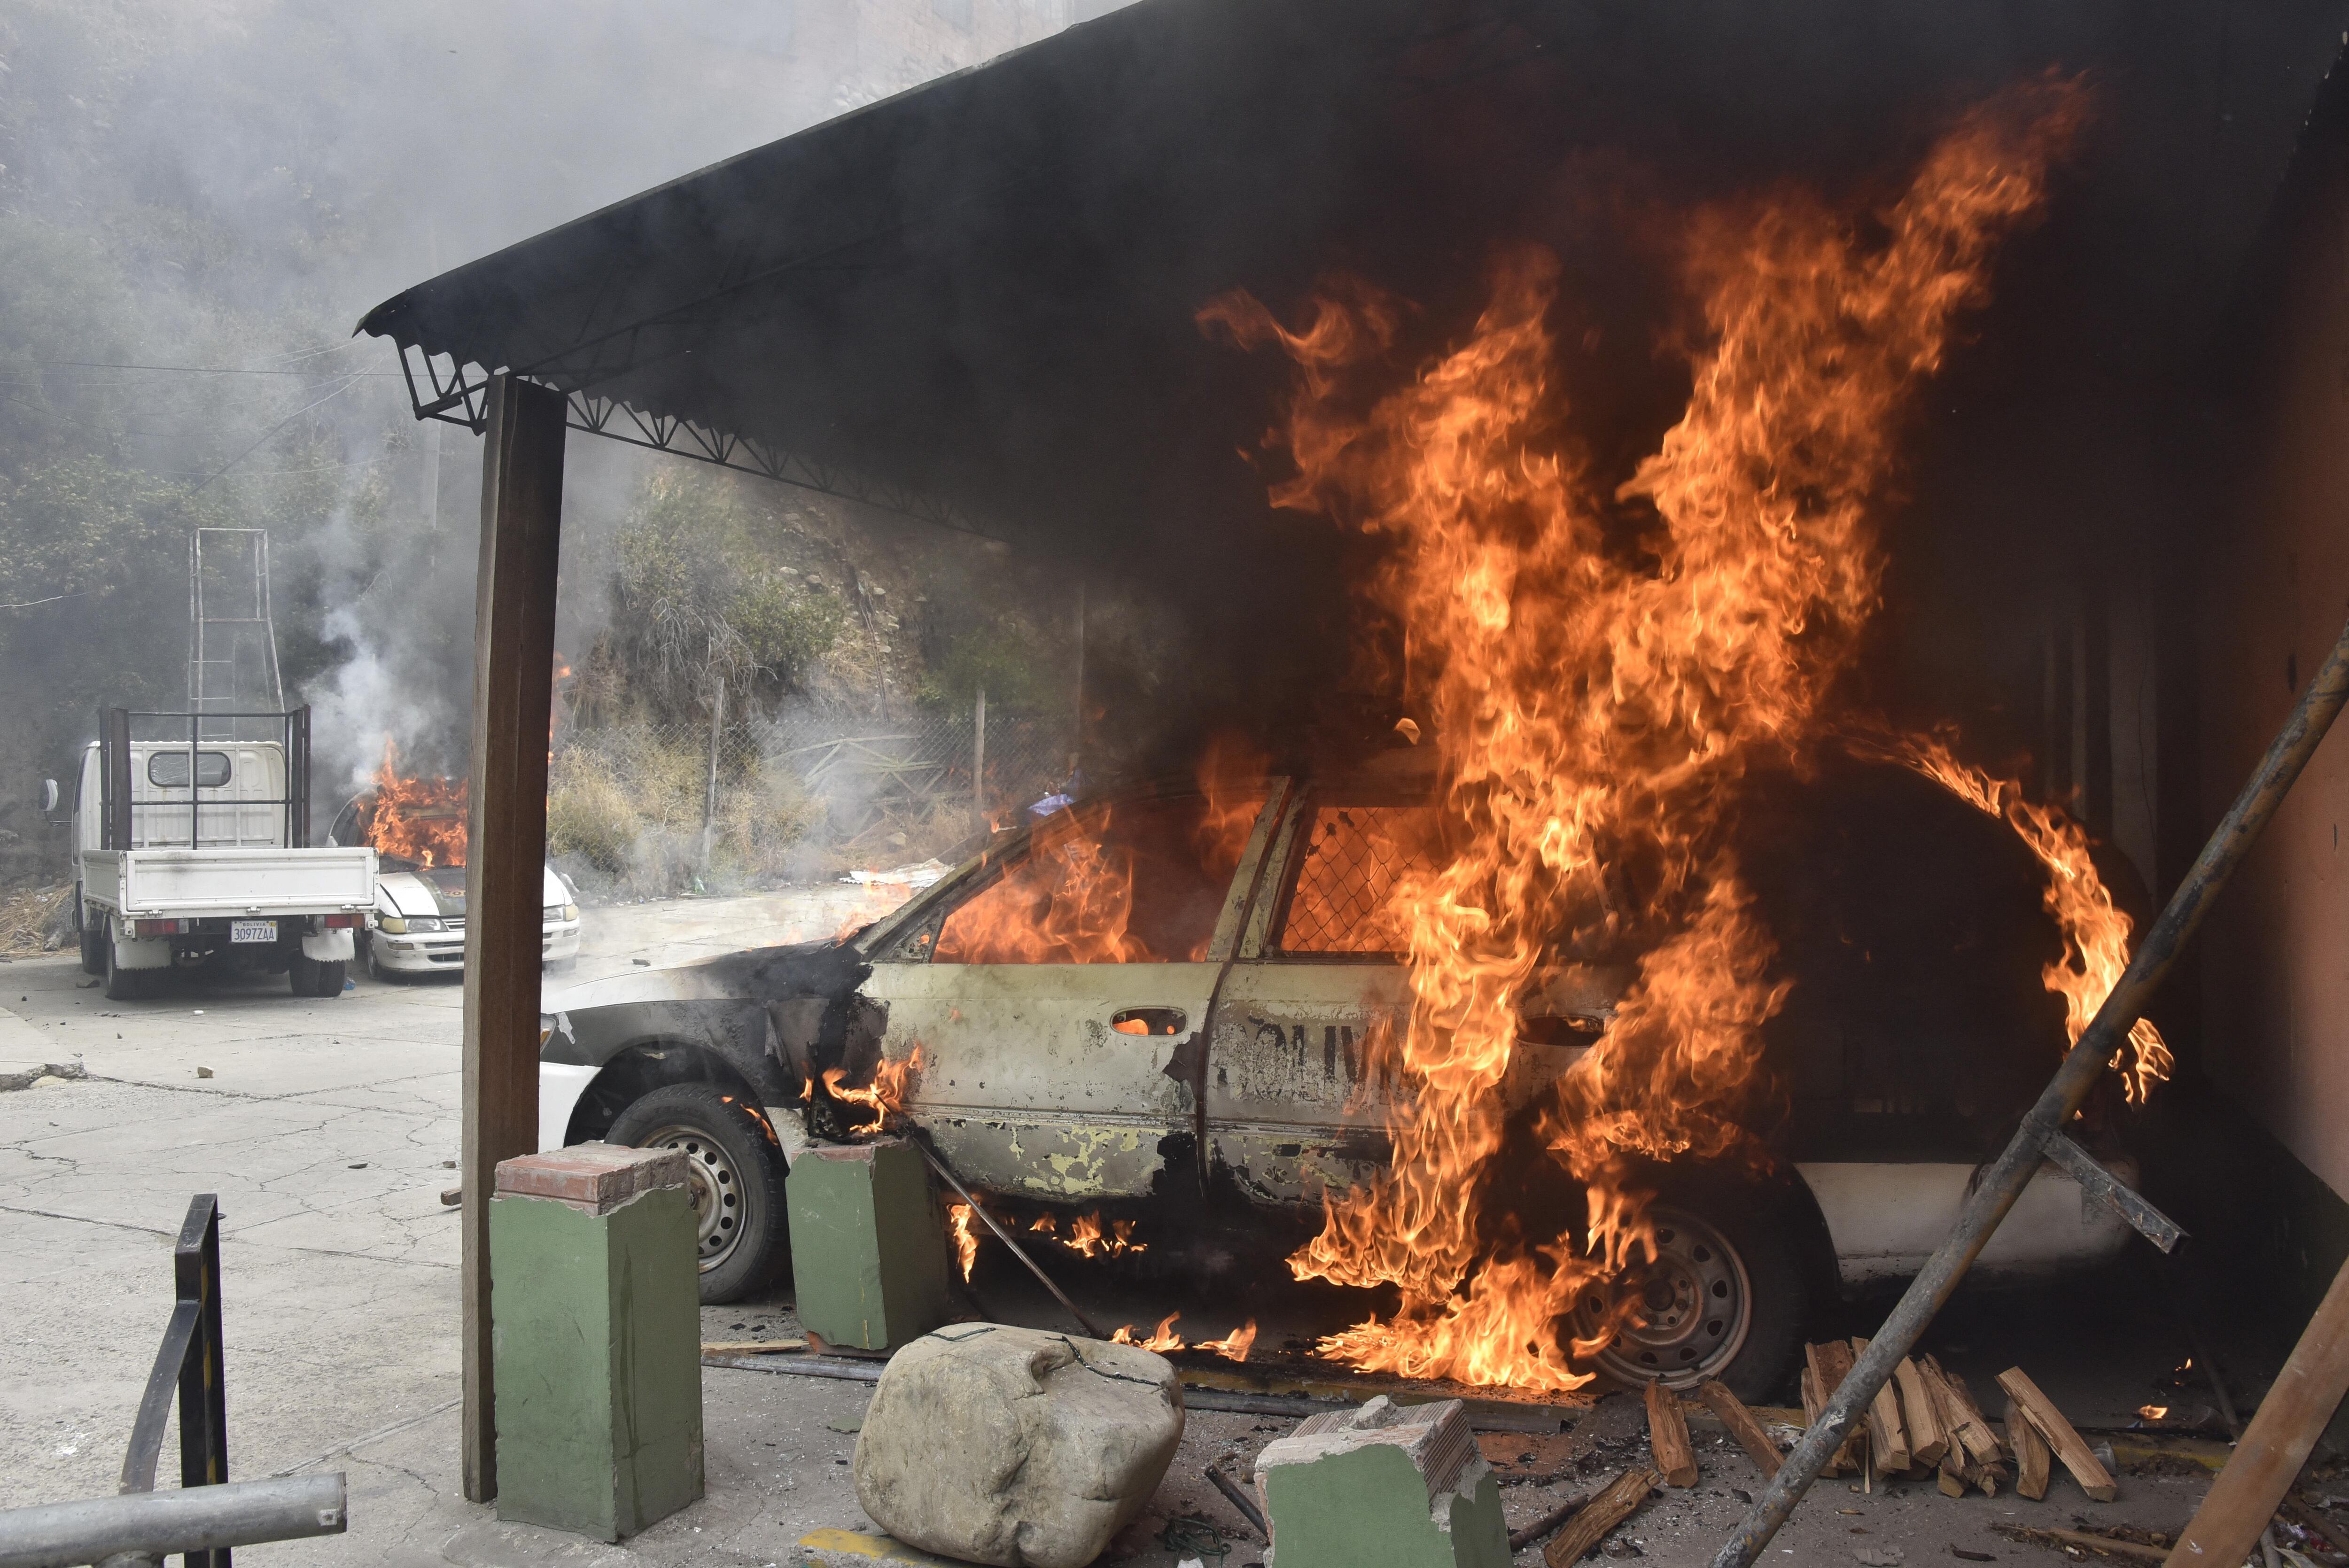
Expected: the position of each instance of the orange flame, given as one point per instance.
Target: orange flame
(1087, 1239)
(1072, 900)
(2095, 933)
(1163, 1338)
(965, 1238)
(1234, 1347)
(1592, 692)
(886, 1097)
(413, 819)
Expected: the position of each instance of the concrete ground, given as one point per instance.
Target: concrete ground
(328, 1128)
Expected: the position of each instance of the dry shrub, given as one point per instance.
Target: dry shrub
(624, 813)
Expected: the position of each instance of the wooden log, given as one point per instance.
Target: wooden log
(1952, 1478)
(2040, 1412)
(1929, 1439)
(1521, 1539)
(1749, 1433)
(2276, 1444)
(505, 871)
(1828, 1363)
(1813, 1403)
(2031, 1454)
(1610, 1508)
(1668, 1437)
(1961, 1416)
(1888, 1436)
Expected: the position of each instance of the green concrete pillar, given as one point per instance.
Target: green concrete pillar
(596, 1339)
(1385, 1486)
(868, 1244)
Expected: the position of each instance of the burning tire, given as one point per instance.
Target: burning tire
(737, 1181)
(1726, 1298)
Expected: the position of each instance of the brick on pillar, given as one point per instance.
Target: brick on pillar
(513, 662)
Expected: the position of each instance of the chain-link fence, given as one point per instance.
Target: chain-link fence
(657, 804)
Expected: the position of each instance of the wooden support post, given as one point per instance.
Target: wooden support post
(2276, 1444)
(513, 687)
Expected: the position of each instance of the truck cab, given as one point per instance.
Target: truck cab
(190, 850)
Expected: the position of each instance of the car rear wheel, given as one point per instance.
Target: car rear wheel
(737, 1181)
(1723, 1299)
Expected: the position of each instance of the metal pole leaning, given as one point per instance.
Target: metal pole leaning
(2005, 1179)
(198, 1519)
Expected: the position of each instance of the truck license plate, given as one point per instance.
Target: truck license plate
(253, 931)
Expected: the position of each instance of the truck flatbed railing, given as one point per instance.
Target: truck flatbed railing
(116, 738)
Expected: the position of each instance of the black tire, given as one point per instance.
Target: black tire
(1730, 1250)
(331, 976)
(302, 974)
(94, 943)
(376, 971)
(122, 985)
(738, 1180)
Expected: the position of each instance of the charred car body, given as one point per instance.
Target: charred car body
(1166, 1006)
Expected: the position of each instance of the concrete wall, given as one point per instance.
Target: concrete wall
(2275, 576)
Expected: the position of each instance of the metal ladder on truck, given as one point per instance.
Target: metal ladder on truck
(231, 641)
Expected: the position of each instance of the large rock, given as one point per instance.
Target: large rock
(1385, 1486)
(1014, 1447)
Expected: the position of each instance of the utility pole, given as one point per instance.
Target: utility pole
(709, 801)
(978, 759)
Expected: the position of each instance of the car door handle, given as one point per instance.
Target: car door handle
(1150, 1021)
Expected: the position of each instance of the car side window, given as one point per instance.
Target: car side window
(1341, 895)
(1122, 882)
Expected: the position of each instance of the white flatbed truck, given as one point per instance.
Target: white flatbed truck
(194, 852)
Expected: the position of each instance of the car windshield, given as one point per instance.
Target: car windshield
(1128, 881)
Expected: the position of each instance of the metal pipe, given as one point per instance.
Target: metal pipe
(195, 1519)
(2004, 1181)
(1004, 1237)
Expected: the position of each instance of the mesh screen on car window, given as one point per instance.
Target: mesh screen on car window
(1346, 877)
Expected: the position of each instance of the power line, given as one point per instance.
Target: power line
(196, 369)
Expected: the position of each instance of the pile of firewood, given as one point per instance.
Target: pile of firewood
(1925, 1421)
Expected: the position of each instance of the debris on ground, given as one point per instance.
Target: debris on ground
(1004, 1445)
(1620, 1500)
(1386, 1483)
(2120, 1542)
(49, 1075)
(36, 920)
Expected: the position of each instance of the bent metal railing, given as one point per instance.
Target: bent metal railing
(209, 1514)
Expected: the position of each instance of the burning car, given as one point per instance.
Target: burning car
(417, 827)
(1179, 1004)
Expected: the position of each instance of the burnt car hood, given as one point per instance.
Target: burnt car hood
(827, 969)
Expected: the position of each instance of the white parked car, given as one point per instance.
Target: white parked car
(1212, 1077)
(419, 926)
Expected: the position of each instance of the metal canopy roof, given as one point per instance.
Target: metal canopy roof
(974, 303)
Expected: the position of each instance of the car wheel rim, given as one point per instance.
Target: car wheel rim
(1695, 1309)
(714, 1188)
